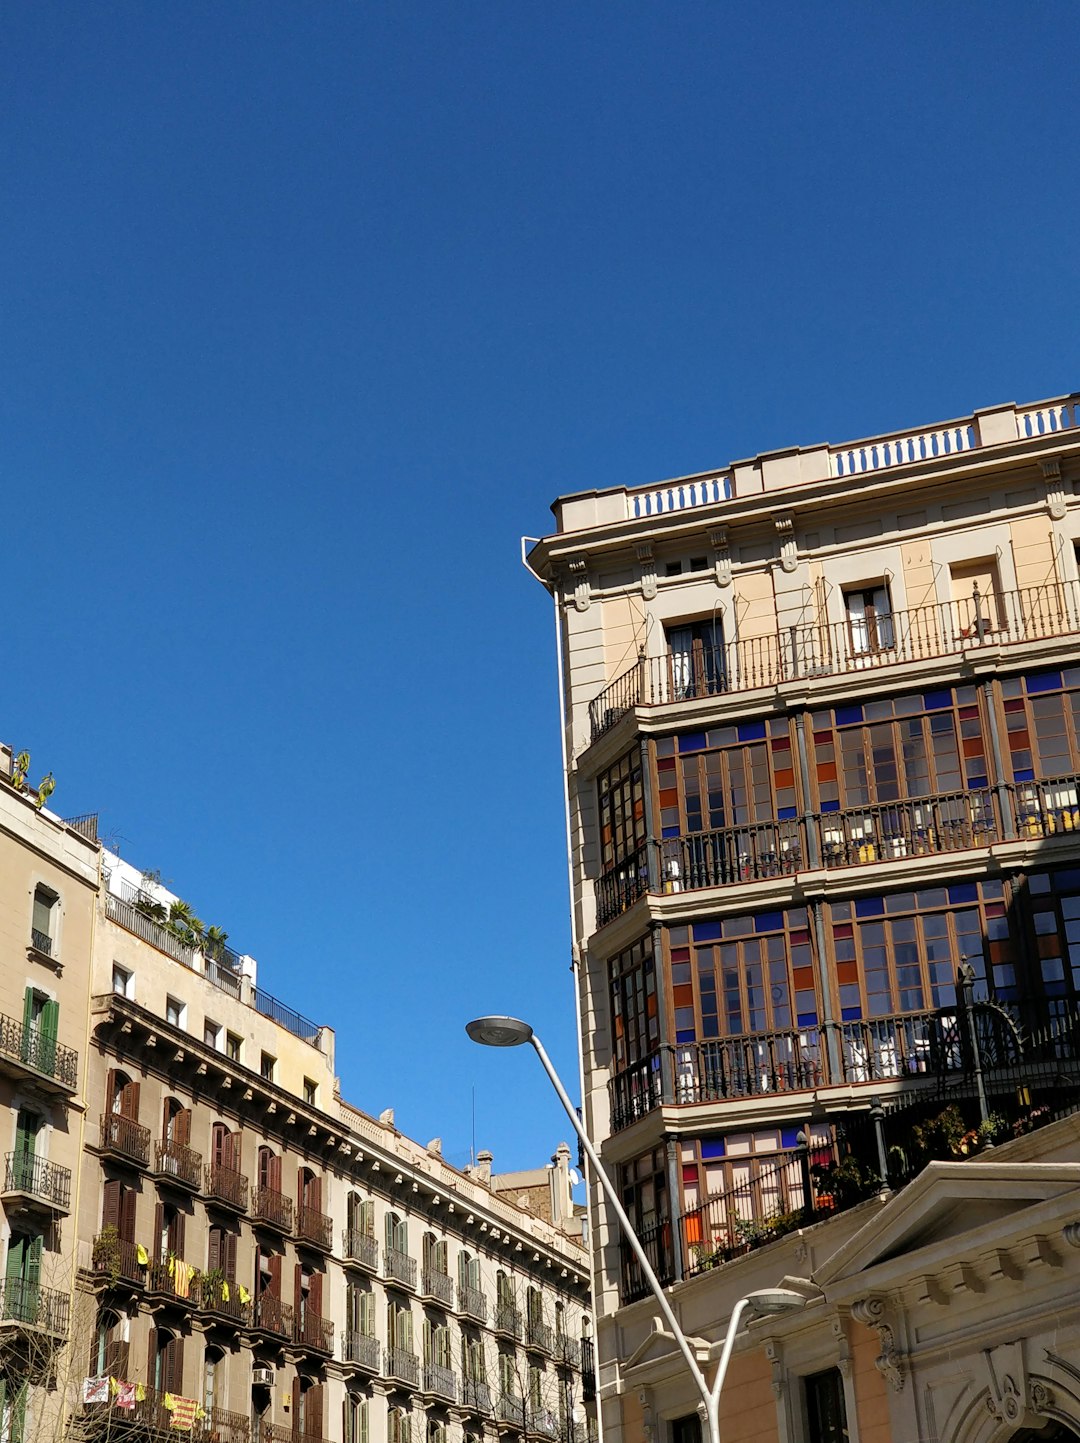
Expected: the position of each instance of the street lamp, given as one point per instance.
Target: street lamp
(511, 1032)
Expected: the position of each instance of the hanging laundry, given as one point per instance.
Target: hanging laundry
(142, 1255)
(183, 1411)
(125, 1396)
(95, 1390)
(245, 1296)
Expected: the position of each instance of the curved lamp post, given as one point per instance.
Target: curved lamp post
(511, 1032)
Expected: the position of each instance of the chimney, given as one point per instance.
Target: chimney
(562, 1200)
(483, 1167)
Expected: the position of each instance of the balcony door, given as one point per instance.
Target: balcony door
(22, 1277)
(27, 1126)
(696, 658)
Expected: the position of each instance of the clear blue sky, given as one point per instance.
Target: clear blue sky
(308, 313)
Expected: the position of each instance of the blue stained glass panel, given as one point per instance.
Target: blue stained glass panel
(807, 1019)
(706, 931)
(964, 892)
(768, 922)
(869, 906)
(692, 742)
(847, 716)
(1043, 681)
(786, 814)
(751, 732)
(685, 1036)
(935, 700)
(789, 1136)
(851, 1014)
(669, 832)
(712, 1147)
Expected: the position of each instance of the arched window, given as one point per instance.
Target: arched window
(355, 1418)
(166, 1361)
(109, 1346)
(213, 1382)
(397, 1426)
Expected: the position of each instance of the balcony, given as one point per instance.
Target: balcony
(436, 1287)
(588, 1371)
(361, 1249)
(539, 1336)
(472, 1302)
(541, 1422)
(440, 1383)
(315, 1228)
(399, 1267)
(273, 1316)
(27, 1053)
(172, 1280)
(313, 1332)
(28, 1307)
(876, 832)
(403, 1366)
(801, 653)
(475, 1395)
(36, 1183)
(41, 942)
(272, 1209)
(568, 1350)
(508, 1321)
(361, 1351)
(178, 1164)
(126, 1139)
(509, 1408)
(226, 1187)
(656, 1242)
(221, 1426)
(115, 1259)
(220, 1298)
(283, 1433)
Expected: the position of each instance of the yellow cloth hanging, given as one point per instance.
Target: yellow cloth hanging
(245, 1296)
(142, 1255)
(140, 1392)
(225, 1290)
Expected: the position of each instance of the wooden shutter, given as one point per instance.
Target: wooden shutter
(174, 1365)
(110, 1206)
(176, 1233)
(275, 1172)
(116, 1355)
(315, 1294)
(129, 1100)
(110, 1090)
(367, 1313)
(367, 1219)
(299, 1404)
(228, 1256)
(127, 1214)
(28, 1010)
(182, 1127)
(158, 1250)
(214, 1250)
(152, 1376)
(298, 1290)
(218, 1140)
(314, 1194)
(313, 1411)
(275, 1276)
(230, 1151)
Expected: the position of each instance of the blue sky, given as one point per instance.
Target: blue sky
(310, 311)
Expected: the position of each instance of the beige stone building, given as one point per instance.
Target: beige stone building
(48, 885)
(201, 1238)
(822, 736)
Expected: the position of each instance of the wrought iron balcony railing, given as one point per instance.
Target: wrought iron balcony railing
(181, 1164)
(42, 942)
(402, 1365)
(439, 1287)
(274, 1316)
(399, 1267)
(312, 1331)
(31, 1051)
(227, 1186)
(541, 1422)
(361, 1350)
(27, 1304)
(273, 1209)
(315, 1227)
(539, 1335)
(126, 1138)
(476, 1395)
(800, 653)
(361, 1248)
(508, 1320)
(441, 1382)
(472, 1302)
(221, 1426)
(38, 1178)
(509, 1408)
(174, 1279)
(117, 1258)
(221, 1296)
(568, 1350)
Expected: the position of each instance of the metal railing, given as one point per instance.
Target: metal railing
(362, 1248)
(508, 1320)
(399, 1267)
(636, 1090)
(539, 1335)
(747, 1066)
(139, 925)
(568, 1350)
(913, 827)
(541, 1422)
(619, 888)
(362, 1350)
(286, 1017)
(86, 825)
(29, 1047)
(274, 1316)
(472, 1302)
(38, 1178)
(656, 1243)
(312, 1331)
(273, 1208)
(221, 1426)
(727, 855)
(829, 648)
(171, 1277)
(588, 1370)
(223, 975)
(126, 1137)
(173, 1159)
(117, 1258)
(436, 1285)
(42, 941)
(403, 1365)
(509, 1408)
(226, 1185)
(475, 1395)
(30, 1305)
(221, 1296)
(440, 1381)
(315, 1227)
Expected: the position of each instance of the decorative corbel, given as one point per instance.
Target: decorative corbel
(785, 533)
(775, 1354)
(645, 1399)
(1055, 486)
(648, 570)
(577, 569)
(718, 540)
(842, 1348)
(889, 1363)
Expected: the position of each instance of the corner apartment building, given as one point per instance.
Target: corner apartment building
(48, 886)
(267, 1262)
(822, 729)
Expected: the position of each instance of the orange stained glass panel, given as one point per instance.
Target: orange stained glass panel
(826, 772)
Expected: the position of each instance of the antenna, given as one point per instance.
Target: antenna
(472, 1149)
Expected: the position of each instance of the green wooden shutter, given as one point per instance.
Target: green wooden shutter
(48, 1027)
(367, 1314)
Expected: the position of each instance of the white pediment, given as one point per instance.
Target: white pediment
(660, 1346)
(954, 1207)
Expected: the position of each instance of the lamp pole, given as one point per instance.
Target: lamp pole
(510, 1032)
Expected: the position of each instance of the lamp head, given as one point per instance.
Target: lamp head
(499, 1031)
(770, 1301)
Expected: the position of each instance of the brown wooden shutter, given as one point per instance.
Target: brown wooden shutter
(151, 1359)
(129, 1101)
(213, 1259)
(159, 1225)
(297, 1289)
(275, 1276)
(228, 1256)
(127, 1214)
(313, 1411)
(315, 1294)
(297, 1406)
(110, 1089)
(116, 1357)
(166, 1115)
(110, 1206)
(314, 1199)
(177, 1230)
(182, 1127)
(275, 1172)
(232, 1152)
(174, 1365)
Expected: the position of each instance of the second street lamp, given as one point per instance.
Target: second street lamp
(512, 1032)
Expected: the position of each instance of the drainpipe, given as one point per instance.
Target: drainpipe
(1001, 786)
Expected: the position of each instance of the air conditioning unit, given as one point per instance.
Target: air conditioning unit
(262, 1376)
